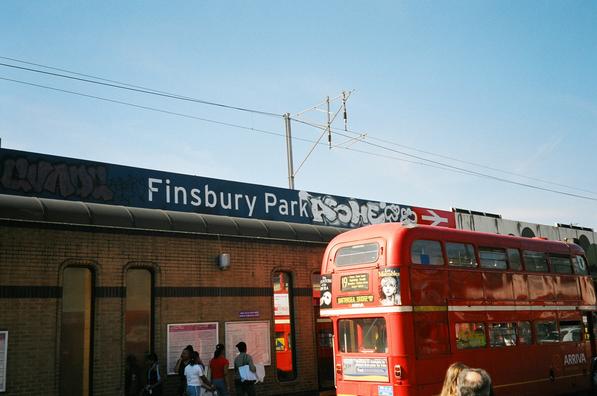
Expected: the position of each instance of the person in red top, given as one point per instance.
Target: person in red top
(218, 366)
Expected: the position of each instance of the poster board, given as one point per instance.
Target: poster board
(255, 334)
(3, 359)
(202, 336)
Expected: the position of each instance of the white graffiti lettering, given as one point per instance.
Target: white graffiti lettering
(327, 210)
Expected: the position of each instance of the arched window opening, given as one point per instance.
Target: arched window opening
(76, 331)
(283, 326)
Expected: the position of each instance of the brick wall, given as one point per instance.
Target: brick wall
(32, 257)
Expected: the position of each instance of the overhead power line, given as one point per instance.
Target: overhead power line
(456, 168)
(130, 87)
(480, 165)
(243, 127)
(421, 161)
(138, 106)
(359, 136)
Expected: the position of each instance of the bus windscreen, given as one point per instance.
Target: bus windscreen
(363, 335)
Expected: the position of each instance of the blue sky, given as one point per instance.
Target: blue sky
(510, 85)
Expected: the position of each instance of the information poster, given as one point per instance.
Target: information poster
(257, 337)
(202, 336)
(281, 305)
(3, 358)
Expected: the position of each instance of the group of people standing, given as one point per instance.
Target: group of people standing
(192, 373)
(193, 376)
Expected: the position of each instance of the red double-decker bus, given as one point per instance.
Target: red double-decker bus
(406, 302)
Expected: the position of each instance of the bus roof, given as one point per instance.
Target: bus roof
(393, 233)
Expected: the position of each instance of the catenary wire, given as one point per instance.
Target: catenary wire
(148, 108)
(385, 141)
(83, 75)
(243, 127)
(129, 87)
(429, 163)
(452, 167)
(141, 89)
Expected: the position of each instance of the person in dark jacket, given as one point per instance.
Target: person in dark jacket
(154, 378)
(181, 364)
(133, 375)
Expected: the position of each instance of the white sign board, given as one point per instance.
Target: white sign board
(3, 358)
(257, 337)
(281, 305)
(202, 336)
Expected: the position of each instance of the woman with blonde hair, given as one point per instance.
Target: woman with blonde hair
(449, 388)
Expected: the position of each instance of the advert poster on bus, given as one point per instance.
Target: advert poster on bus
(365, 369)
(325, 289)
(389, 284)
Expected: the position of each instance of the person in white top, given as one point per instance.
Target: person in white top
(196, 379)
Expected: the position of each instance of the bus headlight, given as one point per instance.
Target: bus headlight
(398, 371)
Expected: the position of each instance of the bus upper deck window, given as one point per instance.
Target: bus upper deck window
(560, 264)
(580, 265)
(427, 252)
(493, 258)
(535, 261)
(358, 254)
(461, 254)
(514, 259)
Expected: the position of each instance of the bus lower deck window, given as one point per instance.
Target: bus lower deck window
(547, 331)
(366, 335)
(502, 334)
(523, 332)
(571, 331)
(470, 335)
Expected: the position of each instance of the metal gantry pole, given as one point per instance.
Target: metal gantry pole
(289, 151)
(329, 124)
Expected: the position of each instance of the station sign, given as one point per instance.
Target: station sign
(47, 176)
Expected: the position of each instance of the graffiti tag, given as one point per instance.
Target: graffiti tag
(79, 181)
(329, 210)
